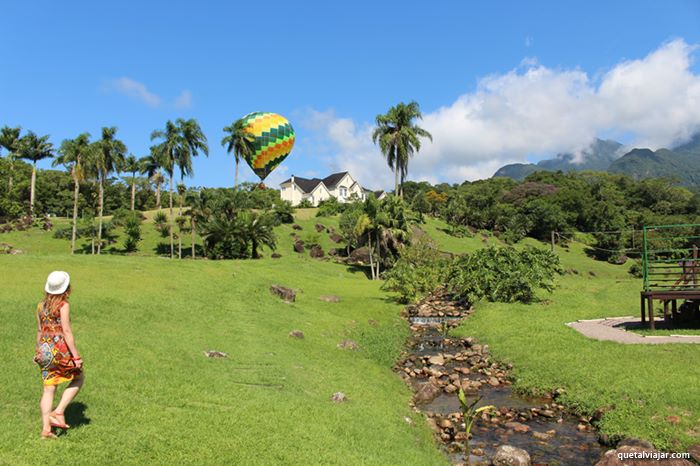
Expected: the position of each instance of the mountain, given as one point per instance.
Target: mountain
(599, 155)
(681, 163)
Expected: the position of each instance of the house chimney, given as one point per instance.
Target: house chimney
(292, 182)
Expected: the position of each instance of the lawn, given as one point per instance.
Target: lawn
(653, 389)
(151, 396)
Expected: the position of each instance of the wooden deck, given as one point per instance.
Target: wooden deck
(667, 297)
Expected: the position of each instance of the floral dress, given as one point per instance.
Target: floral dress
(52, 354)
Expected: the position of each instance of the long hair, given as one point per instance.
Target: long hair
(52, 301)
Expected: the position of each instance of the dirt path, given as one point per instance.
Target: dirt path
(615, 329)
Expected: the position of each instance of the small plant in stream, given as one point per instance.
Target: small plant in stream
(470, 413)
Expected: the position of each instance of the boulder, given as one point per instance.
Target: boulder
(283, 292)
(299, 246)
(296, 334)
(612, 458)
(694, 451)
(359, 255)
(329, 298)
(507, 455)
(427, 392)
(319, 227)
(339, 397)
(276, 255)
(296, 227)
(316, 252)
(336, 238)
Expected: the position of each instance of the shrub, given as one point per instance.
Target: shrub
(283, 212)
(329, 207)
(133, 234)
(418, 272)
(312, 239)
(503, 274)
(160, 223)
(122, 216)
(636, 269)
(305, 204)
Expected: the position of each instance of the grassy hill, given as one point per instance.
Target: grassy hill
(151, 396)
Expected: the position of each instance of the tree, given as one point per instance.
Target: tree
(166, 154)
(109, 158)
(399, 138)
(34, 148)
(239, 141)
(132, 165)
(73, 155)
(9, 140)
(151, 166)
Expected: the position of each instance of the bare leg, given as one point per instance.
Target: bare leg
(45, 404)
(68, 394)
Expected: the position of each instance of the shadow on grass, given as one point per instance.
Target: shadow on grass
(75, 415)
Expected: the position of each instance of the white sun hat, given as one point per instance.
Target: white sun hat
(57, 282)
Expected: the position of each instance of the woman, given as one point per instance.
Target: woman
(56, 353)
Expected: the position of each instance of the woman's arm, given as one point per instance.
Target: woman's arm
(38, 329)
(68, 333)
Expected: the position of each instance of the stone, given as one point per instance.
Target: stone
(635, 442)
(507, 455)
(547, 413)
(360, 256)
(348, 344)
(336, 238)
(319, 227)
(339, 397)
(427, 392)
(316, 252)
(436, 360)
(215, 354)
(299, 246)
(296, 334)
(329, 298)
(296, 227)
(612, 458)
(541, 436)
(446, 424)
(276, 255)
(517, 427)
(493, 381)
(451, 388)
(694, 451)
(283, 292)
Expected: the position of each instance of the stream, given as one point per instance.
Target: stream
(436, 366)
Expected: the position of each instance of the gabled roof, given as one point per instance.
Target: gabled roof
(308, 185)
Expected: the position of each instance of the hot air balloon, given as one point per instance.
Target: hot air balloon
(274, 139)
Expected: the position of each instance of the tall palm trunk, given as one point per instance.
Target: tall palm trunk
(369, 247)
(379, 255)
(235, 180)
(396, 182)
(31, 191)
(179, 244)
(133, 192)
(172, 221)
(12, 169)
(101, 202)
(192, 224)
(76, 193)
(158, 196)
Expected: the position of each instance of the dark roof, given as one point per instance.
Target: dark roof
(308, 185)
(377, 194)
(334, 179)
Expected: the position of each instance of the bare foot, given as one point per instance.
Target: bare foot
(47, 434)
(58, 420)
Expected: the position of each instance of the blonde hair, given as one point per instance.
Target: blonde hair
(52, 302)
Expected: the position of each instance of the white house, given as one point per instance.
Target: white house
(341, 186)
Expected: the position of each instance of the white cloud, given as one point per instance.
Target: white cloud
(532, 111)
(135, 90)
(184, 100)
(529, 41)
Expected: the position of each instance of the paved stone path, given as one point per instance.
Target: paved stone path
(613, 329)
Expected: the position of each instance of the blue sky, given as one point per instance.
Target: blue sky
(331, 67)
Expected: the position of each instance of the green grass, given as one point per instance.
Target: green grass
(438, 231)
(142, 324)
(645, 384)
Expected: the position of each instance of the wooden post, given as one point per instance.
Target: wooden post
(665, 310)
(552, 241)
(674, 309)
(644, 319)
(650, 306)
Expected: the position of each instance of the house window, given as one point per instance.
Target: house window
(343, 191)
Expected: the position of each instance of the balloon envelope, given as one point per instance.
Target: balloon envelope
(274, 139)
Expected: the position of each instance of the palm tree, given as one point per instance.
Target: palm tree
(9, 140)
(151, 166)
(258, 230)
(399, 138)
(197, 213)
(240, 142)
(34, 148)
(132, 165)
(74, 154)
(166, 153)
(181, 191)
(110, 158)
